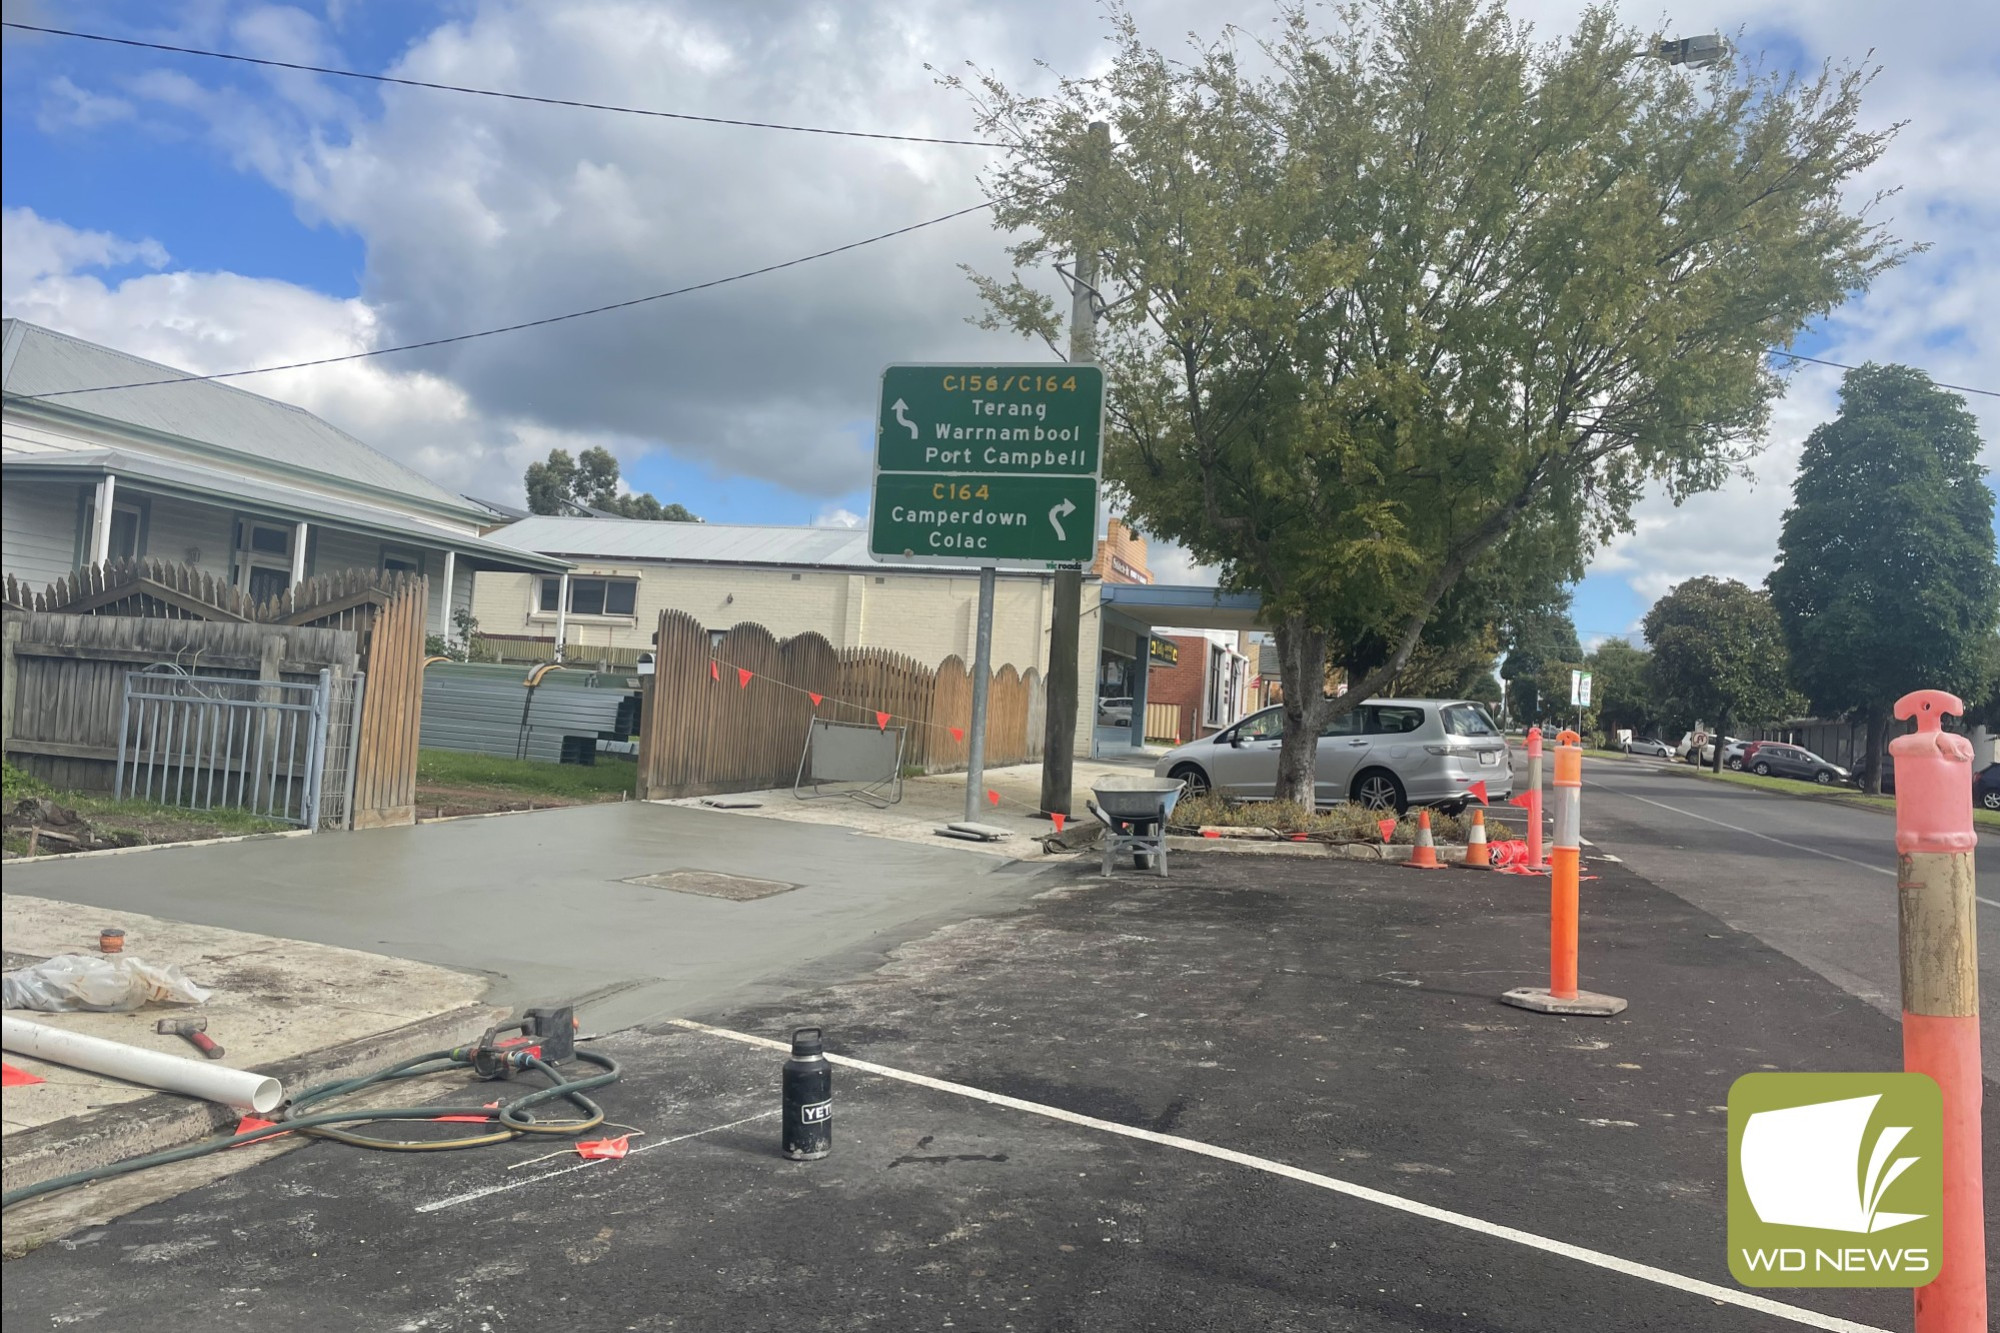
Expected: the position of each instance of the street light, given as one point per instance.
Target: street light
(1706, 49)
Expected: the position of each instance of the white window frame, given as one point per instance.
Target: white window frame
(536, 613)
(246, 557)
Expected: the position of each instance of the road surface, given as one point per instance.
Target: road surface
(1814, 879)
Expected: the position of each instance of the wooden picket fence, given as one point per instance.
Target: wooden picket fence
(704, 732)
(385, 613)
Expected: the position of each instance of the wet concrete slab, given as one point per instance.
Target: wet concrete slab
(542, 903)
(1337, 1018)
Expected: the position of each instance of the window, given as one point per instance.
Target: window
(1347, 725)
(592, 597)
(402, 560)
(1268, 726)
(128, 529)
(263, 563)
(1468, 720)
(1390, 720)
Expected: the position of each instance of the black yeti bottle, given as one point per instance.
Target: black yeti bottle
(808, 1098)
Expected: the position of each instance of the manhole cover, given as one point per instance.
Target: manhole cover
(714, 884)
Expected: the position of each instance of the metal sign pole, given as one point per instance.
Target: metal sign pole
(982, 673)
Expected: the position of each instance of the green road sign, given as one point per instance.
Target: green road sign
(986, 465)
(983, 520)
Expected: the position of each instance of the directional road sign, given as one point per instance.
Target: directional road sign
(987, 465)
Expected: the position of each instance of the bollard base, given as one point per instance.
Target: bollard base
(1585, 1003)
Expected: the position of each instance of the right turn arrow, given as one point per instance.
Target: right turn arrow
(1056, 516)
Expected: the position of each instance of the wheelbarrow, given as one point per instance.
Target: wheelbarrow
(1134, 814)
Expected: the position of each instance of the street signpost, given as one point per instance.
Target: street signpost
(987, 466)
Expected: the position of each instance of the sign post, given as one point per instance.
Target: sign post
(988, 466)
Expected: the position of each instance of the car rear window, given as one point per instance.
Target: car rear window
(1468, 720)
(1394, 720)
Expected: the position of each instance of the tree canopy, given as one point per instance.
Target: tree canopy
(1415, 296)
(1535, 640)
(1886, 579)
(1718, 654)
(1619, 689)
(591, 480)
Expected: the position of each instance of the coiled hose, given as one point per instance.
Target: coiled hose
(512, 1119)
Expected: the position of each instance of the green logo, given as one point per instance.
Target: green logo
(1835, 1180)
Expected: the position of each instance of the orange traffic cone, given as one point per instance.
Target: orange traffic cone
(1477, 855)
(1424, 855)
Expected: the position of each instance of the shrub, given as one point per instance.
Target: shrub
(1344, 822)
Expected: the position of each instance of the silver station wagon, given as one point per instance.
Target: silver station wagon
(1388, 754)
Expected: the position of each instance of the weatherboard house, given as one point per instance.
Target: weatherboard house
(107, 456)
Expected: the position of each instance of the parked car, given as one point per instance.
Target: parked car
(1655, 747)
(1986, 787)
(1790, 761)
(1114, 712)
(1387, 754)
(1737, 754)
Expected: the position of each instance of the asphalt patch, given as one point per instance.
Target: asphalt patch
(1337, 1017)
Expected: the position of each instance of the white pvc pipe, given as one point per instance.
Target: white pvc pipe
(155, 1069)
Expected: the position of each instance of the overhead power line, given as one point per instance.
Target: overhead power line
(513, 328)
(491, 92)
(1956, 388)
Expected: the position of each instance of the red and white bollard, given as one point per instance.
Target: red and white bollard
(1934, 891)
(1536, 862)
(1565, 883)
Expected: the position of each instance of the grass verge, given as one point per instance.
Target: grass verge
(85, 821)
(449, 769)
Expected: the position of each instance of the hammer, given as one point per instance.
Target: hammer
(195, 1030)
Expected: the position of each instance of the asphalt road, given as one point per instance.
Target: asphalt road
(1407, 1155)
(1814, 879)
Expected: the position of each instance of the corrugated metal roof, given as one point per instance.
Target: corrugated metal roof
(277, 499)
(696, 543)
(39, 361)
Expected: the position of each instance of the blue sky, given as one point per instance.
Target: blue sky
(215, 216)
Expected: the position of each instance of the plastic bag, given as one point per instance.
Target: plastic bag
(97, 983)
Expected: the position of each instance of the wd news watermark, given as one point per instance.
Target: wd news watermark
(1835, 1180)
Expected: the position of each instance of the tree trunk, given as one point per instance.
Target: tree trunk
(1302, 671)
(1878, 727)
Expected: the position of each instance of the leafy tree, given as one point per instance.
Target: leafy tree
(1422, 294)
(591, 479)
(1718, 655)
(1886, 580)
(1535, 640)
(1618, 686)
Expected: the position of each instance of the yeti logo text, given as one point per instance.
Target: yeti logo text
(1815, 1157)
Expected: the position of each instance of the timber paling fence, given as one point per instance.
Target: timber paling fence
(70, 650)
(704, 730)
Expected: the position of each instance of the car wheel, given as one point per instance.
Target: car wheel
(1990, 799)
(1736, 765)
(1824, 777)
(1378, 789)
(1194, 782)
(1763, 770)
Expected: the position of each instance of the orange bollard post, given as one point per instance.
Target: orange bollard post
(1562, 995)
(1934, 888)
(1535, 861)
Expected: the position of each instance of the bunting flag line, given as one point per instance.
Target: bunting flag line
(816, 698)
(1388, 827)
(992, 797)
(1059, 818)
(881, 721)
(605, 1148)
(1478, 789)
(714, 671)
(958, 734)
(743, 675)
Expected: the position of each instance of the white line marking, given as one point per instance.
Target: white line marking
(1738, 828)
(1988, 901)
(1645, 1272)
(470, 1195)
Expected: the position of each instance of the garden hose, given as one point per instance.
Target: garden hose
(513, 1117)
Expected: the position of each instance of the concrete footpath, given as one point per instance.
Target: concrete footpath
(303, 1012)
(1265, 1093)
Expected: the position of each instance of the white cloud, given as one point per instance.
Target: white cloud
(477, 213)
(66, 106)
(36, 248)
(837, 517)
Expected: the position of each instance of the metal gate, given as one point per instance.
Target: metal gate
(205, 741)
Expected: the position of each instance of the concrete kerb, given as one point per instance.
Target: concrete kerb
(166, 1120)
(1265, 843)
(161, 846)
